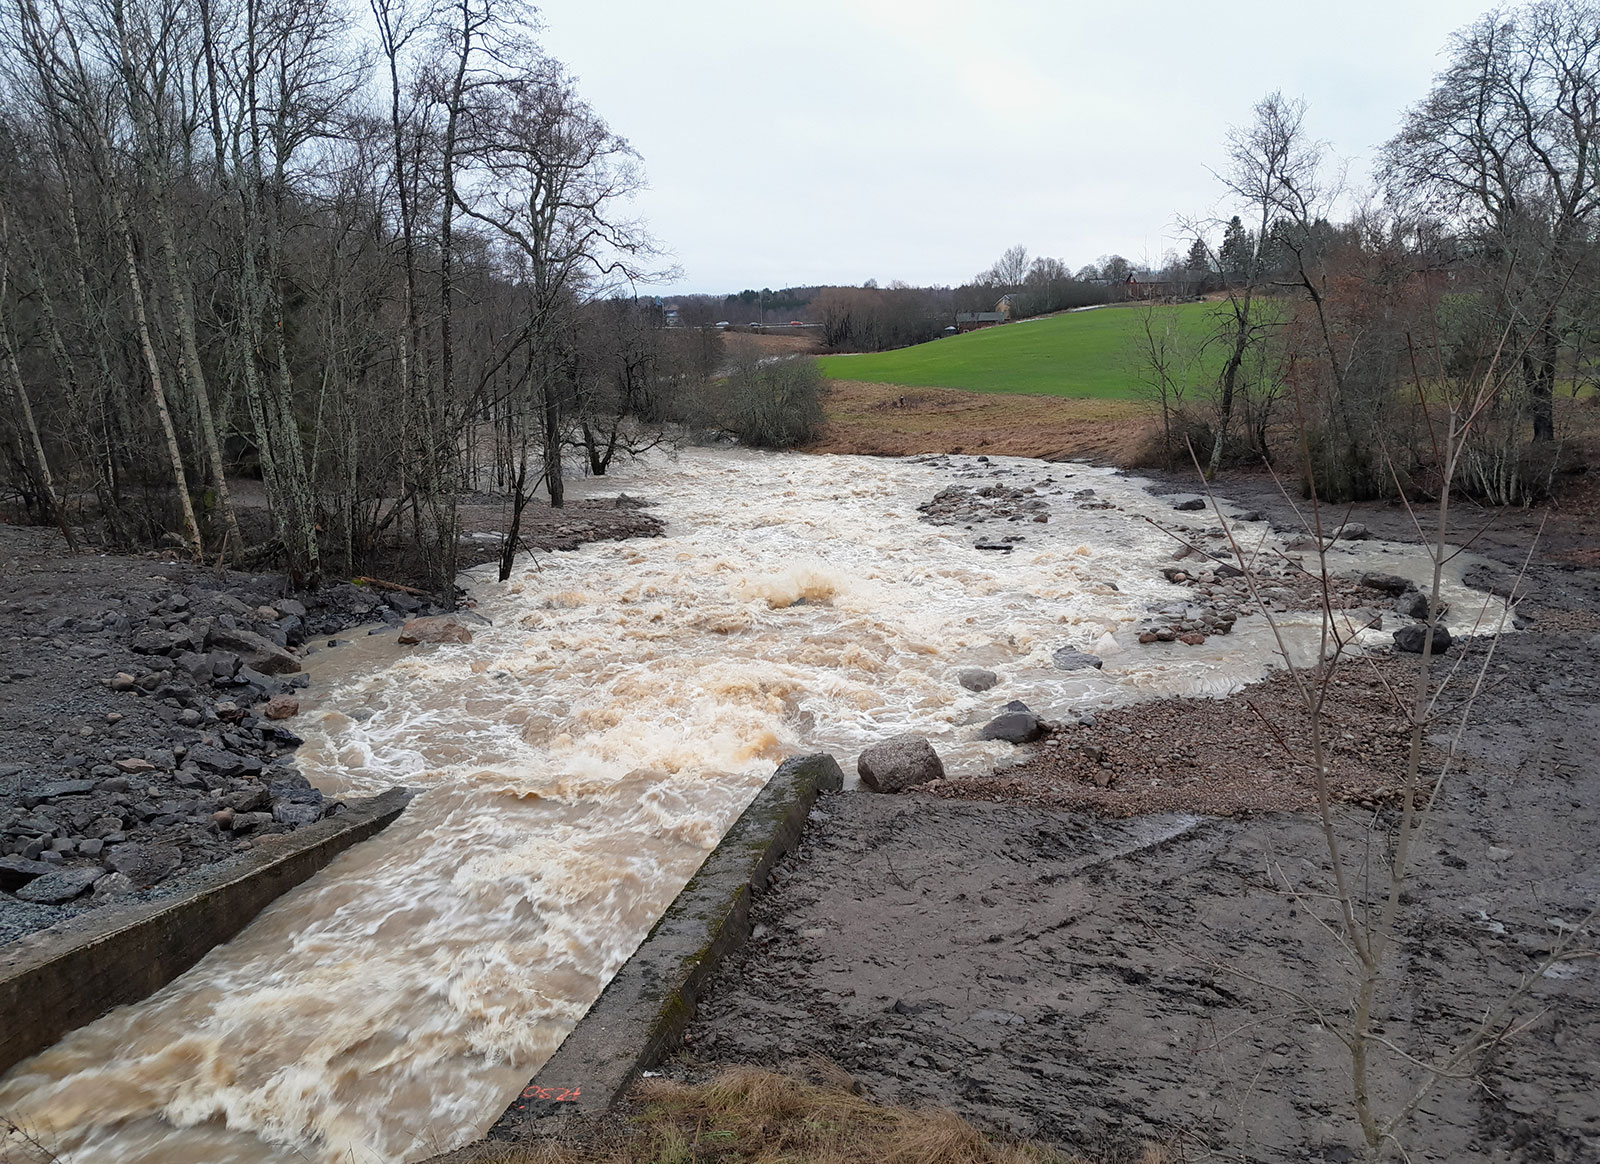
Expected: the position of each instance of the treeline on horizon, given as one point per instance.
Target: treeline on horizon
(281, 282)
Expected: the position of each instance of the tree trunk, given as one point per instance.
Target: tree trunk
(158, 391)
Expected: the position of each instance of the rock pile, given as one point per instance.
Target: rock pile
(170, 707)
(965, 505)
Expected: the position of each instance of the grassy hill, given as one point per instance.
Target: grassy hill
(1079, 354)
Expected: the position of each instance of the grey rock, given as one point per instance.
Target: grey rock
(1412, 638)
(248, 799)
(1388, 583)
(60, 886)
(145, 864)
(258, 653)
(899, 763)
(1353, 531)
(64, 788)
(289, 813)
(1013, 727)
(113, 885)
(977, 678)
(1072, 659)
(1416, 605)
(1189, 504)
(222, 762)
(15, 872)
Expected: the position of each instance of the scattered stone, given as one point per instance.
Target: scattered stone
(899, 763)
(223, 762)
(1192, 639)
(1353, 531)
(976, 678)
(113, 885)
(438, 628)
(1189, 504)
(64, 788)
(1496, 853)
(289, 813)
(133, 764)
(989, 544)
(122, 681)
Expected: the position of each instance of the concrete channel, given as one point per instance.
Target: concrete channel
(640, 1017)
(64, 977)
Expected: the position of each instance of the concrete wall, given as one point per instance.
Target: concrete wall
(640, 1017)
(58, 979)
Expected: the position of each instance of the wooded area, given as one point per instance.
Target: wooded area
(237, 246)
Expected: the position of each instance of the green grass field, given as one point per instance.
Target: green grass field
(1081, 354)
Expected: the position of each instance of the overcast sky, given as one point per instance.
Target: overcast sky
(835, 141)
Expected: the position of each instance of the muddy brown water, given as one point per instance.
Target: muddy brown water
(578, 760)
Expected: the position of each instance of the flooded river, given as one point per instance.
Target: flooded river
(574, 765)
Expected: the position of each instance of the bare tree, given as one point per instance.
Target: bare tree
(1505, 148)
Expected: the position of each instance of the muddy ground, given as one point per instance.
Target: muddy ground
(1055, 962)
(893, 421)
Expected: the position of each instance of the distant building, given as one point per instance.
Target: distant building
(972, 320)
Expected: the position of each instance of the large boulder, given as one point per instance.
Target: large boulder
(258, 653)
(1413, 638)
(438, 628)
(899, 763)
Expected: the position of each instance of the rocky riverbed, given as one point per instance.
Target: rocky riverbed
(1117, 942)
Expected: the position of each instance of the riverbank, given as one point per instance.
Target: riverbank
(148, 707)
(886, 420)
(1105, 945)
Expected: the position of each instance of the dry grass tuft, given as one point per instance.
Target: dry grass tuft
(751, 1116)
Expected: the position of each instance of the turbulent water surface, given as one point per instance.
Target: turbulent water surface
(574, 765)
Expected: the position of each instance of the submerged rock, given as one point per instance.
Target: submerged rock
(976, 678)
(1072, 659)
(438, 628)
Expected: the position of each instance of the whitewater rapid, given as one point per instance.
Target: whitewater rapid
(576, 762)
